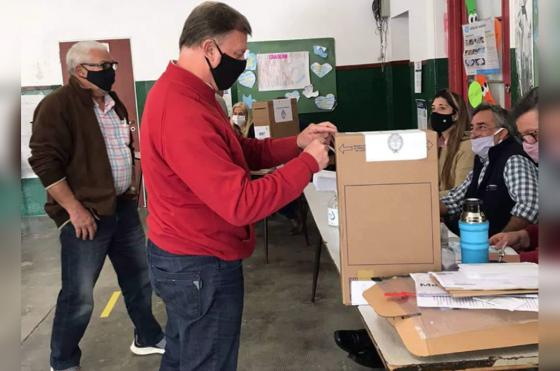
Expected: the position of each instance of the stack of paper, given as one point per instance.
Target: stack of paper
(511, 286)
(492, 276)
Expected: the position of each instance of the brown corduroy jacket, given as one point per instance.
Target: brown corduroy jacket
(67, 143)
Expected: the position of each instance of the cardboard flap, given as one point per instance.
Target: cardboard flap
(436, 331)
(392, 307)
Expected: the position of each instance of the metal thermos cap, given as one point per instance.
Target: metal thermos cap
(472, 212)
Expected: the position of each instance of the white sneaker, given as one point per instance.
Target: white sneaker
(140, 350)
(75, 368)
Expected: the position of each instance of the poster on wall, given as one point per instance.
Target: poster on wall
(303, 69)
(480, 54)
(283, 71)
(524, 58)
(422, 114)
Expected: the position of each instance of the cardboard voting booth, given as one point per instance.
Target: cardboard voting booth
(275, 118)
(388, 204)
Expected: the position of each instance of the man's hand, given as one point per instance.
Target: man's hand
(319, 151)
(83, 221)
(517, 240)
(324, 131)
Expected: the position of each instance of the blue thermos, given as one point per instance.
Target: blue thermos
(473, 228)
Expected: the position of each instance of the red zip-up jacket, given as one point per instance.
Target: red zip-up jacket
(201, 199)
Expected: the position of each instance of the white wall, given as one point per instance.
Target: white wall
(154, 29)
(426, 31)
(399, 48)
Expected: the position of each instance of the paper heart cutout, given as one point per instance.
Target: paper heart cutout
(247, 79)
(325, 102)
(309, 93)
(319, 50)
(321, 69)
(248, 100)
(292, 94)
(251, 61)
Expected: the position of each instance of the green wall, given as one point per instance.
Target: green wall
(33, 197)
(369, 98)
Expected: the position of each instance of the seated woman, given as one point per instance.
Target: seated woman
(241, 120)
(450, 120)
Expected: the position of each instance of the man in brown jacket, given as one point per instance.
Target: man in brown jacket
(81, 151)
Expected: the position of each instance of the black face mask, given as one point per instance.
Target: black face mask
(102, 79)
(441, 122)
(227, 71)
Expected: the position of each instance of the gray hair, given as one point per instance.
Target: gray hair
(501, 117)
(79, 53)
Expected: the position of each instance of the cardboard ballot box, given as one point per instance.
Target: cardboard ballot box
(276, 118)
(431, 331)
(388, 205)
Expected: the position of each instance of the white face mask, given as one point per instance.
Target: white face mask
(238, 120)
(481, 146)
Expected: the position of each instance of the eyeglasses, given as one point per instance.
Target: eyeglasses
(104, 66)
(531, 138)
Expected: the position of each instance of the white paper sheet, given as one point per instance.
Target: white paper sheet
(503, 303)
(262, 132)
(283, 71)
(357, 289)
(396, 145)
(325, 181)
(430, 295)
(418, 77)
(282, 110)
(491, 276)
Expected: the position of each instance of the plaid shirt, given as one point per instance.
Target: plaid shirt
(117, 140)
(521, 179)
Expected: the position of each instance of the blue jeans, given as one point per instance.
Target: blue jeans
(203, 298)
(120, 237)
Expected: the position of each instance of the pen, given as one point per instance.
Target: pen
(402, 294)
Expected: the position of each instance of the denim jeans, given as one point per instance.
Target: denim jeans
(120, 237)
(203, 298)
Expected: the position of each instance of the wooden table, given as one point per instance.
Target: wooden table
(386, 340)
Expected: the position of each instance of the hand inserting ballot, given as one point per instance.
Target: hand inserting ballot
(324, 131)
(319, 151)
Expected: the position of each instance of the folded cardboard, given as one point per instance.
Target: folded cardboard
(430, 331)
(275, 118)
(388, 204)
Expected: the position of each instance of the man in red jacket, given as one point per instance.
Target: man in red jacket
(202, 202)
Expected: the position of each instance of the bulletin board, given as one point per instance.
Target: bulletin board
(302, 69)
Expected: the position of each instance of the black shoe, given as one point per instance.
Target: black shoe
(368, 358)
(353, 341)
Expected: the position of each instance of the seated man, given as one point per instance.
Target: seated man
(504, 177)
(526, 116)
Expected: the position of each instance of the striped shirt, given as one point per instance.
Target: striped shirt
(116, 133)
